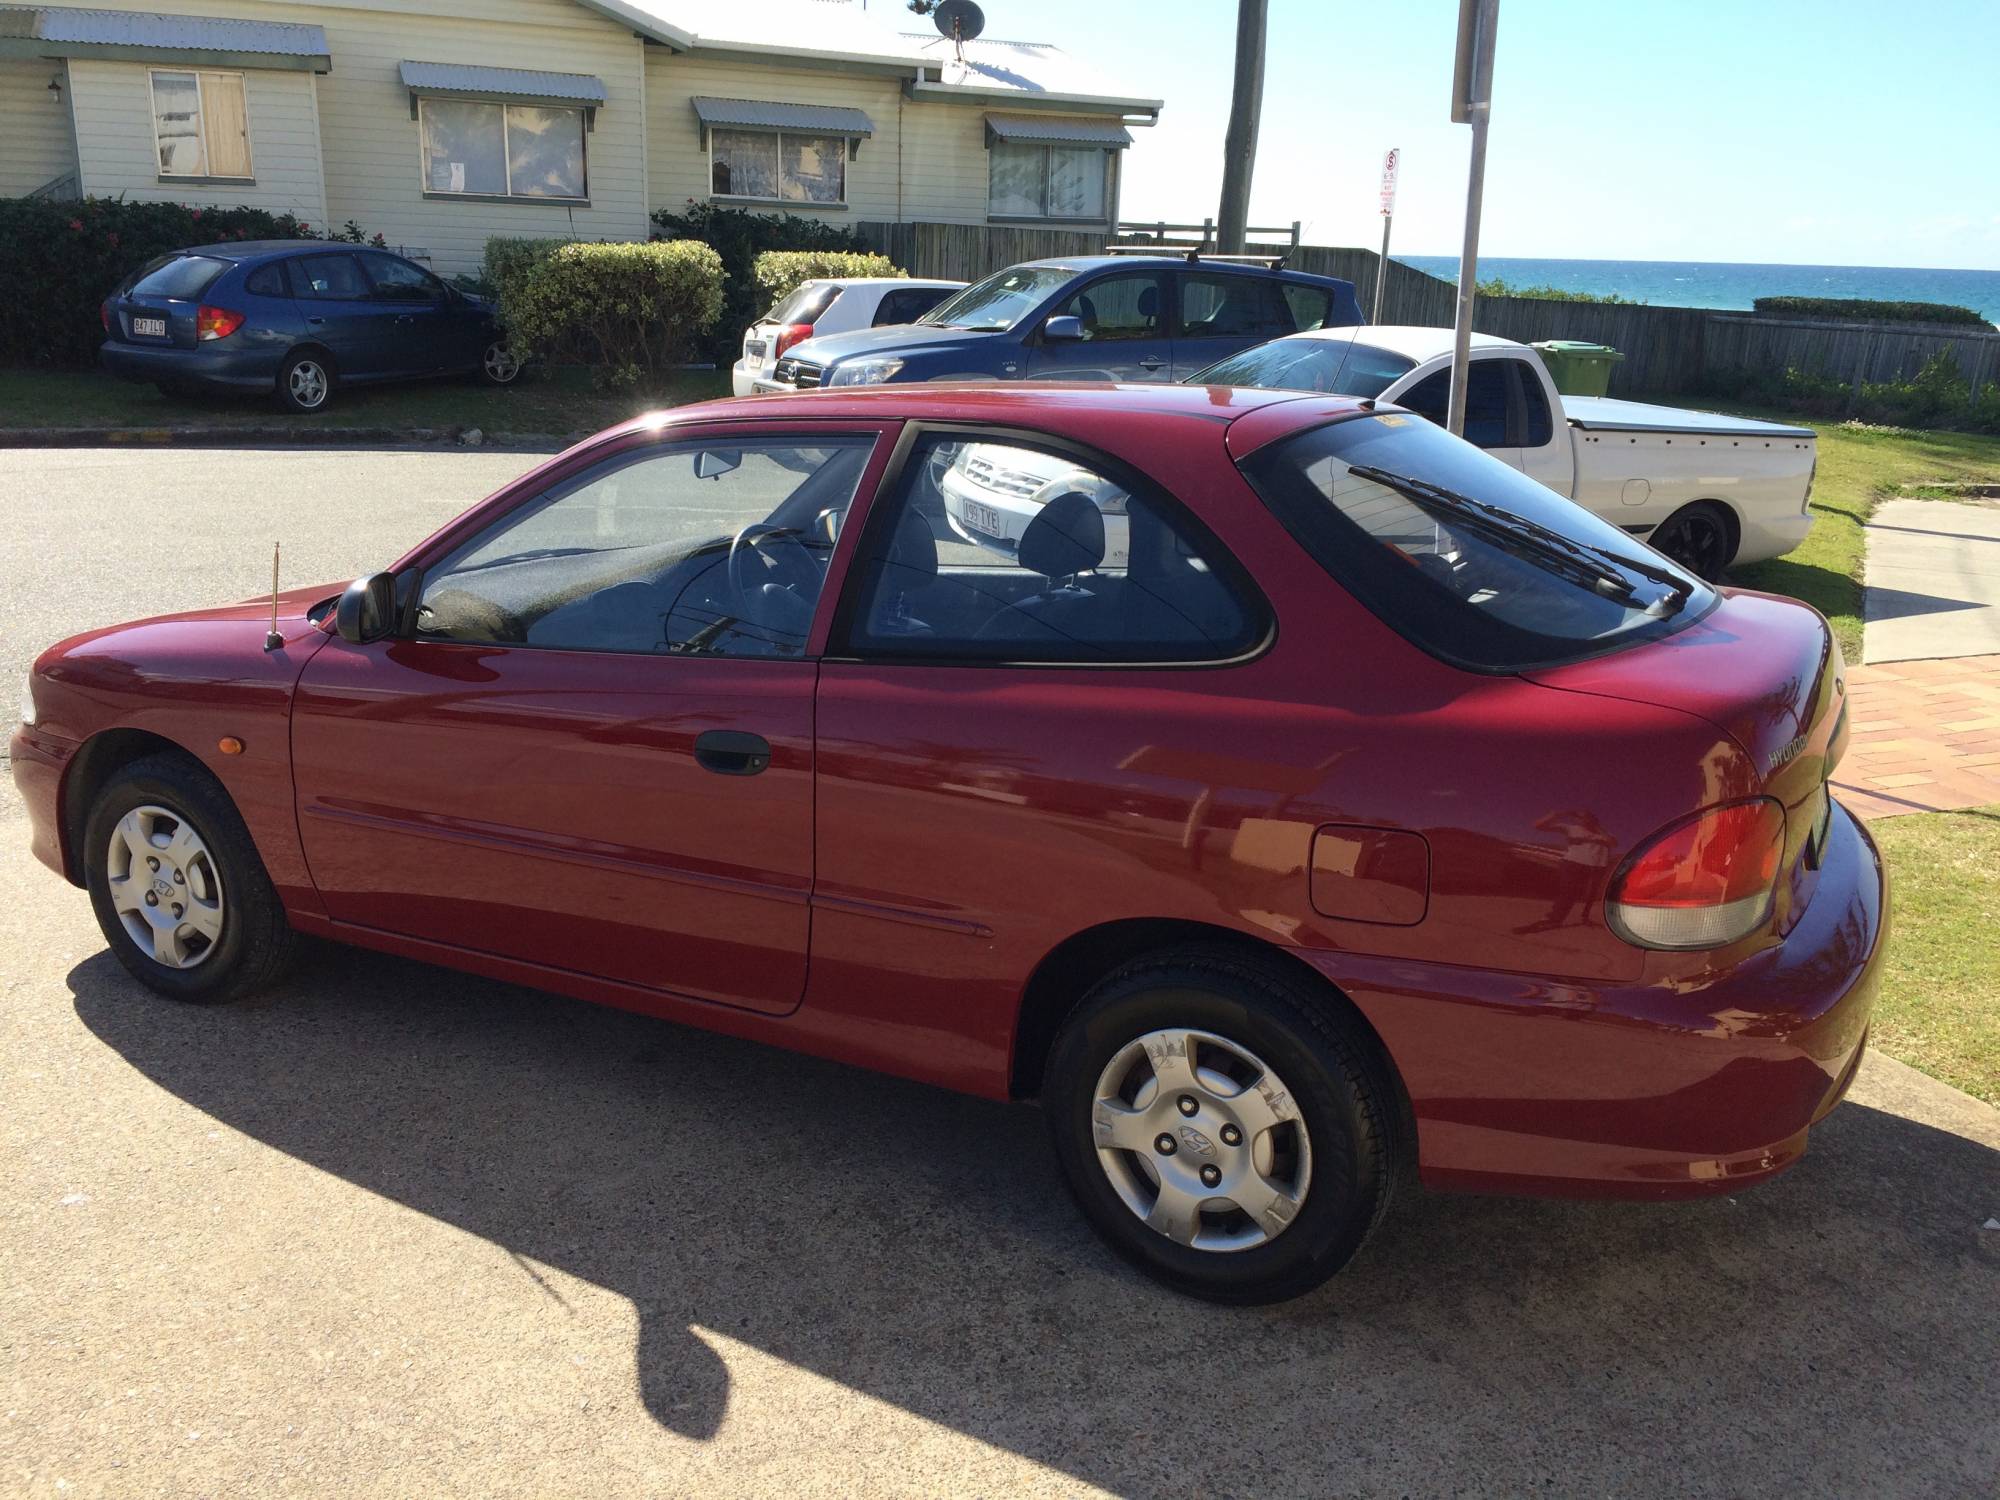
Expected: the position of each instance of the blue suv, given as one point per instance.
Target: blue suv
(1091, 317)
(294, 318)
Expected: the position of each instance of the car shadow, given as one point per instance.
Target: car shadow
(1902, 604)
(1836, 1328)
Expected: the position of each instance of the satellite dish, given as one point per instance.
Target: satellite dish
(959, 20)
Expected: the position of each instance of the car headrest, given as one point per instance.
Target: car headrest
(1149, 302)
(912, 552)
(1087, 310)
(1066, 537)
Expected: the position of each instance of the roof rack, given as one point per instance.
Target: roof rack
(1161, 238)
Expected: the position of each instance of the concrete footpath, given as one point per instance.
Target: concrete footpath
(1933, 580)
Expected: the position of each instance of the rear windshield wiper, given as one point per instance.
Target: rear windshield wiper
(1600, 563)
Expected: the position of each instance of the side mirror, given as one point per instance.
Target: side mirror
(713, 463)
(827, 524)
(367, 610)
(1063, 330)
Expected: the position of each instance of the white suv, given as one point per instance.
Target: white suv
(831, 306)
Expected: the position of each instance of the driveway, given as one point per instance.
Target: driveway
(392, 1230)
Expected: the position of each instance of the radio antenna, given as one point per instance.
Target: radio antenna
(273, 640)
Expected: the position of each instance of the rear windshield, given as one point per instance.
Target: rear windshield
(805, 304)
(1001, 300)
(1339, 367)
(178, 276)
(1464, 555)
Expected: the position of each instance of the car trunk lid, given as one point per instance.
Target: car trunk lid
(160, 304)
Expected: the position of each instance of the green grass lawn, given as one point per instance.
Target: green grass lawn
(1940, 1004)
(1858, 467)
(552, 401)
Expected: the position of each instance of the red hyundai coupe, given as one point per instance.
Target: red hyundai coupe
(1301, 800)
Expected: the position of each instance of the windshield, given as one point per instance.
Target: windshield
(1000, 301)
(1338, 367)
(1464, 555)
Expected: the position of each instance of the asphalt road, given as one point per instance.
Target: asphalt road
(392, 1230)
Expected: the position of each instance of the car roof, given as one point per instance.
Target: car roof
(1082, 263)
(253, 249)
(1407, 339)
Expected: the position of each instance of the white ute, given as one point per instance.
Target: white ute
(1708, 490)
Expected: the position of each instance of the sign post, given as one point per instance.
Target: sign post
(1471, 103)
(1389, 165)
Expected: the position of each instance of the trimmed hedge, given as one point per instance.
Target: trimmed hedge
(59, 261)
(1865, 310)
(779, 273)
(634, 310)
(739, 237)
(509, 260)
(1937, 397)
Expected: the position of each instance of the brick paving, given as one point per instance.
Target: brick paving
(1925, 737)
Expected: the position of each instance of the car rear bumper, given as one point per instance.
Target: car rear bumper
(744, 377)
(1543, 1086)
(1766, 536)
(38, 761)
(214, 368)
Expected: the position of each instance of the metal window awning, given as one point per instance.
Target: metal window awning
(1039, 130)
(762, 114)
(428, 80)
(132, 36)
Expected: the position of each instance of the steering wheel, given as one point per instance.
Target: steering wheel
(778, 554)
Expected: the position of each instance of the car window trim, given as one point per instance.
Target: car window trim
(593, 464)
(839, 646)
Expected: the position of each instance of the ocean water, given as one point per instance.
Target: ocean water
(1684, 283)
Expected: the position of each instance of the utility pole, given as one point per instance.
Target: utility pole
(1239, 147)
(1471, 104)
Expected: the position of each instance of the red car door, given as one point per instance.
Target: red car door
(592, 746)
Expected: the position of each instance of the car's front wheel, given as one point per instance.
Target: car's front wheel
(305, 384)
(499, 364)
(1223, 1125)
(178, 888)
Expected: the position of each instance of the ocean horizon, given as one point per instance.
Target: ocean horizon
(1726, 284)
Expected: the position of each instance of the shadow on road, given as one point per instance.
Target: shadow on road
(1838, 1327)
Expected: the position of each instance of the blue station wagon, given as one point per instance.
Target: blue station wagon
(296, 318)
(1089, 317)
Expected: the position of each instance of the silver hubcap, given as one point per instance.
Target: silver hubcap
(501, 363)
(164, 887)
(308, 383)
(1201, 1139)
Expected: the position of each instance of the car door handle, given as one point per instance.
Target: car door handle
(315, 321)
(732, 752)
(1151, 364)
(406, 317)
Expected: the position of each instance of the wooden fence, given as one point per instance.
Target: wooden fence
(1667, 349)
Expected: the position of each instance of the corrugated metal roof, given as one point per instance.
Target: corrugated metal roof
(520, 83)
(766, 115)
(1049, 132)
(117, 28)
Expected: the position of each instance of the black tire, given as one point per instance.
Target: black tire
(256, 944)
(498, 365)
(1345, 1102)
(1699, 537)
(296, 387)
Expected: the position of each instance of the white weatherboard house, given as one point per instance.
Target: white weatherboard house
(438, 123)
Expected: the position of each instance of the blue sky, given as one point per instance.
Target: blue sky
(1843, 132)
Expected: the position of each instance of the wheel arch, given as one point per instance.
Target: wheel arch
(1069, 970)
(96, 761)
(1732, 520)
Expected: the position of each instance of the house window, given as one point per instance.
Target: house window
(201, 124)
(781, 165)
(489, 150)
(1046, 182)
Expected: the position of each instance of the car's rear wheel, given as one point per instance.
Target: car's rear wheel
(1223, 1125)
(178, 888)
(499, 364)
(1699, 538)
(305, 384)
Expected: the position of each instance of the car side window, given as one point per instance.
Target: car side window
(1125, 306)
(687, 548)
(907, 304)
(1220, 305)
(267, 281)
(993, 551)
(1486, 401)
(399, 281)
(1538, 427)
(1308, 306)
(329, 278)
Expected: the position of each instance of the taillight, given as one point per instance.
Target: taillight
(1703, 882)
(104, 314)
(790, 334)
(216, 322)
